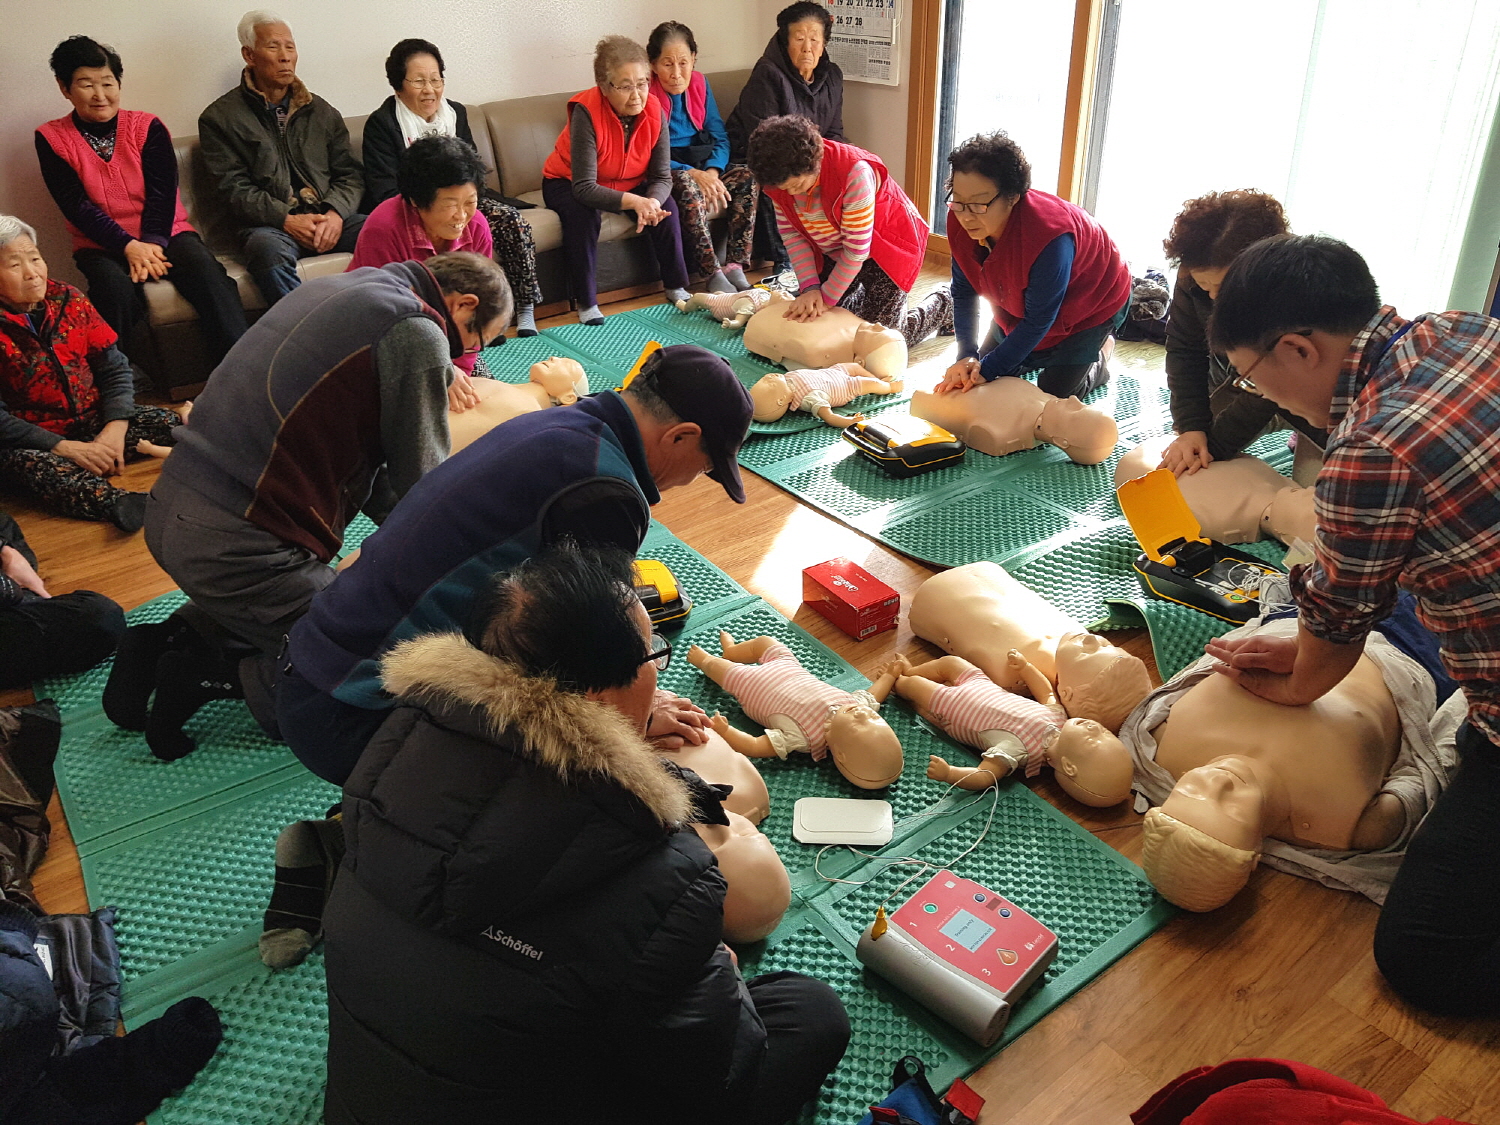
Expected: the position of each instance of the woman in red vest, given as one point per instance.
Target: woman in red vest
(855, 239)
(1054, 278)
(113, 175)
(701, 177)
(614, 154)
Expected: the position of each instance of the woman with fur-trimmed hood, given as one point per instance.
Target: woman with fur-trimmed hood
(525, 925)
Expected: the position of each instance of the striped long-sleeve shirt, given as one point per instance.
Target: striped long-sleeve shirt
(846, 236)
(974, 704)
(1409, 495)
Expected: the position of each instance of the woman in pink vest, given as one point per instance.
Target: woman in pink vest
(1054, 278)
(855, 239)
(614, 154)
(701, 177)
(113, 174)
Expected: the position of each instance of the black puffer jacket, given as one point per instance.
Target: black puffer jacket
(776, 87)
(522, 931)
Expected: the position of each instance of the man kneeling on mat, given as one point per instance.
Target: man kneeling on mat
(520, 850)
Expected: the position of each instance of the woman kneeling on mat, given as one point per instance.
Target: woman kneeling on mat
(855, 239)
(1055, 279)
(614, 154)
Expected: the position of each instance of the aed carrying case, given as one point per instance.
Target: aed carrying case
(667, 604)
(904, 446)
(1178, 563)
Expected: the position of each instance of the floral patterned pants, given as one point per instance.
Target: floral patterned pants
(692, 209)
(515, 250)
(58, 484)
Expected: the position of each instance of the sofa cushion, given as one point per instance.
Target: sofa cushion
(164, 305)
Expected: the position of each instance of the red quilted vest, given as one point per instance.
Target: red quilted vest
(620, 167)
(899, 239)
(44, 376)
(1098, 287)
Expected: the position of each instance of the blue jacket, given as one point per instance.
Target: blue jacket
(573, 470)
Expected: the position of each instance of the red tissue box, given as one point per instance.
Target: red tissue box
(851, 597)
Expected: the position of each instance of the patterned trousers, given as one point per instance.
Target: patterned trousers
(58, 484)
(515, 250)
(697, 241)
(874, 296)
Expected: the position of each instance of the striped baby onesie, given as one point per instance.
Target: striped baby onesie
(973, 704)
(789, 701)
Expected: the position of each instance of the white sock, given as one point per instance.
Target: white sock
(526, 318)
(590, 313)
(675, 295)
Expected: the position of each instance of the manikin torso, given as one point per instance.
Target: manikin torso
(1007, 415)
(1331, 756)
(717, 763)
(758, 889)
(979, 612)
(553, 381)
(838, 336)
(1234, 501)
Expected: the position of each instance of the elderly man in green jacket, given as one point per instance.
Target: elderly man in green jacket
(282, 159)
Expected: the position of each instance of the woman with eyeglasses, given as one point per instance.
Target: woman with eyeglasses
(414, 68)
(614, 154)
(701, 177)
(856, 241)
(1214, 418)
(1054, 278)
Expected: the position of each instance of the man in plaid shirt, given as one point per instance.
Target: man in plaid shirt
(1409, 496)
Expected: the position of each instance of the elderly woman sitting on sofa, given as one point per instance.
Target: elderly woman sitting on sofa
(417, 109)
(614, 154)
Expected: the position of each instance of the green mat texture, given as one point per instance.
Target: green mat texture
(184, 849)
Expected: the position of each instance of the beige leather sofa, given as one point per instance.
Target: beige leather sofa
(514, 138)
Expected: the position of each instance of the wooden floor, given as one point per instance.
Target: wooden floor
(1284, 971)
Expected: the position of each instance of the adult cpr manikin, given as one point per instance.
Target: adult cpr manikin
(1009, 414)
(558, 381)
(838, 336)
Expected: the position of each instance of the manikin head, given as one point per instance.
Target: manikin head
(1097, 680)
(1189, 867)
(1086, 435)
(1091, 764)
(1290, 515)
(758, 890)
(880, 350)
(772, 397)
(564, 379)
(864, 747)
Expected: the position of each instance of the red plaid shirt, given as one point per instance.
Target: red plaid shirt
(1409, 495)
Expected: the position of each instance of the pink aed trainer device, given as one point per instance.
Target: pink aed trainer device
(962, 951)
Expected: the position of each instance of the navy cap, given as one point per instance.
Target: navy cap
(701, 387)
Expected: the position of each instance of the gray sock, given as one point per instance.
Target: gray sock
(308, 854)
(526, 320)
(720, 283)
(736, 275)
(675, 295)
(590, 315)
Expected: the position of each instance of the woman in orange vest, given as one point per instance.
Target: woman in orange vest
(113, 175)
(614, 154)
(855, 239)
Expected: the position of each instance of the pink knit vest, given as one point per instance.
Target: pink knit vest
(117, 186)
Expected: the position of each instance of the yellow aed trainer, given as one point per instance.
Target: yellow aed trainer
(667, 604)
(904, 446)
(1178, 563)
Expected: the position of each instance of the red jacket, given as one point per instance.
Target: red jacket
(1100, 282)
(1267, 1092)
(899, 240)
(45, 377)
(620, 167)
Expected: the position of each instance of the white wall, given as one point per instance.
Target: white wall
(180, 55)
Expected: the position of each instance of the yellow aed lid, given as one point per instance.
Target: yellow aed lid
(657, 575)
(899, 430)
(1158, 513)
(640, 361)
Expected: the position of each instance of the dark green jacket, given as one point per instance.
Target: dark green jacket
(253, 160)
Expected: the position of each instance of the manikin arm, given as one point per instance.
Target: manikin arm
(750, 745)
(973, 778)
(841, 421)
(1037, 684)
(881, 688)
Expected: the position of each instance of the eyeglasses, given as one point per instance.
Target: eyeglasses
(1243, 381)
(661, 652)
(631, 87)
(425, 83)
(974, 208)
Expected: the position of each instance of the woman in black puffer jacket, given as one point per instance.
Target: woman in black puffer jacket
(524, 928)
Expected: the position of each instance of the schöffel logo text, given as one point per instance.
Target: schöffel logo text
(511, 943)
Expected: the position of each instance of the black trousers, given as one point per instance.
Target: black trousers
(1438, 939)
(56, 636)
(196, 273)
(327, 734)
(807, 1031)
